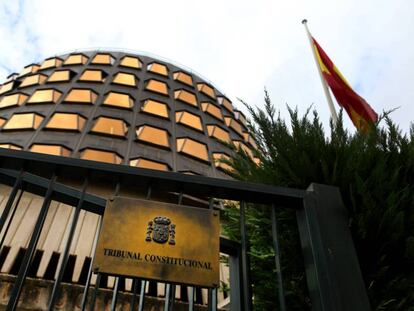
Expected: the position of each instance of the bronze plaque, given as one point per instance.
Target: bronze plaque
(159, 241)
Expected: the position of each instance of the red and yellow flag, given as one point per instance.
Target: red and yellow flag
(357, 108)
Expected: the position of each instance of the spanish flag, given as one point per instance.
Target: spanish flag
(360, 112)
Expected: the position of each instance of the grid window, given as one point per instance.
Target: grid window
(29, 70)
(57, 150)
(81, 96)
(186, 97)
(149, 164)
(60, 76)
(225, 103)
(131, 62)
(6, 87)
(189, 119)
(23, 121)
(91, 75)
(158, 69)
(183, 78)
(101, 156)
(118, 100)
(192, 148)
(76, 59)
(155, 108)
(219, 161)
(10, 146)
(103, 59)
(230, 122)
(44, 96)
(51, 63)
(125, 79)
(66, 121)
(110, 126)
(212, 110)
(153, 135)
(218, 133)
(206, 89)
(33, 80)
(157, 87)
(16, 99)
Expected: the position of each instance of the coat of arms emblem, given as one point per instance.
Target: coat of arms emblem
(161, 230)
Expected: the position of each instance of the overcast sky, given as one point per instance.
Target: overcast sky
(241, 46)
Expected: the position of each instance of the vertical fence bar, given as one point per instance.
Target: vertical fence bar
(55, 290)
(24, 268)
(116, 286)
(247, 296)
(16, 205)
(191, 298)
(134, 294)
(281, 293)
(95, 291)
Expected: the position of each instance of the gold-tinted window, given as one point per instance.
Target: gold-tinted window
(60, 76)
(257, 161)
(23, 121)
(125, 79)
(249, 139)
(76, 59)
(81, 96)
(10, 146)
(110, 126)
(189, 119)
(240, 117)
(66, 121)
(158, 68)
(6, 87)
(51, 149)
(13, 100)
(51, 63)
(32, 80)
(192, 148)
(91, 75)
(183, 78)
(118, 100)
(101, 156)
(155, 108)
(153, 135)
(241, 146)
(225, 103)
(186, 97)
(212, 110)
(230, 122)
(29, 69)
(219, 161)
(157, 87)
(206, 89)
(131, 62)
(2, 121)
(150, 164)
(103, 59)
(218, 133)
(44, 96)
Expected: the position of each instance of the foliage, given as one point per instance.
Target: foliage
(375, 174)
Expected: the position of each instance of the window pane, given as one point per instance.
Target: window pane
(29, 69)
(157, 87)
(103, 59)
(158, 68)
(189, 119)
(125, 79)
(6, 87)
(118, 100)
(153, 165)
(110, 126)
(101, 156)
(192, 148)
(225, 103)
(59, 76)
(2, 121)
(92, 76)
(51, 62)
(183, 77)
(218, 133)
(76, 59)
(153, 136)
(206, 89)
(66, 121)
(10, 146)
(234, 125)
(186, 97)
(212, 110)
(132, 62)
(23, 121)
(156, 108)
(81, 96)
(240, 117)
(218, 161)
(249, 139)
(241, 146)
(32, 80)
(44, 96)
(51, 149)
(13, 100)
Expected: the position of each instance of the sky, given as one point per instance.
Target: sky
(242, 47)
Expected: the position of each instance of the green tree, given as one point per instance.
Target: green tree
(375, 174)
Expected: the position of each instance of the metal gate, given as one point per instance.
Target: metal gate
(332, 270)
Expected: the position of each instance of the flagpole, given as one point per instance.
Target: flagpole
(324, 85)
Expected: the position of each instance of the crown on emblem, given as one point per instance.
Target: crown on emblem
(162, 220)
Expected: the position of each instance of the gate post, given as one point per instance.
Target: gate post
(332, 269)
